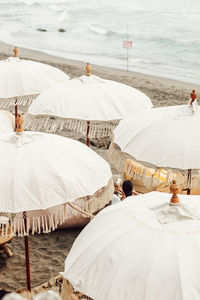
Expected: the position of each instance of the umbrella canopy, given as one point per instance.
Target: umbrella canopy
(7, 121)
(164, 137)
(40, 171)
(22, 80)
(150, 251)
(88, 98)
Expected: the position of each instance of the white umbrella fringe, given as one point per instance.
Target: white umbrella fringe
(116, 157)
(142, 174)
(47, 220)
(53, 124)
(21, 100)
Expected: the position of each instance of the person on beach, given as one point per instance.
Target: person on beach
(118, 193)
(3, 293)
(127, 188)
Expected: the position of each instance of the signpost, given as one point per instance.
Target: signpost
(127, 45)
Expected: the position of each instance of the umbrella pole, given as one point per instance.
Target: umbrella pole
(16, 112)
(27, 254)
(189, 180)
(88, 73)
(88, 130)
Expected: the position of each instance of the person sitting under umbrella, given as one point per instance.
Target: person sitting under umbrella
(118, 193)
(128, 190)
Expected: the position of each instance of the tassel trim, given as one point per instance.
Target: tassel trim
(23, 101)
(53, 124)
(145, 175)
(45, 221)
(116, 157)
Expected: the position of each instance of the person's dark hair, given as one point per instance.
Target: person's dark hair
(127, 187)
(3, 293)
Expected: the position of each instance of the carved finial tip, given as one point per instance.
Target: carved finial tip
(19, 123)
(88, 69)
(15, 51)
(193, 95)
(174, 190)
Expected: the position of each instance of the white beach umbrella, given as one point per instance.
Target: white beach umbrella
(82, 102)
(7, 122)
(164, 137)
(141, 249)
(23, 80)
(47, 170)
(41, 171)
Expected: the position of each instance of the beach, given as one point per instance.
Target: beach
(48, 250)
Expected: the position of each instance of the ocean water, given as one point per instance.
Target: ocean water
(165, 33)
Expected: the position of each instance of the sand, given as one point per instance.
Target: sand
(52, 249)
(46, 250)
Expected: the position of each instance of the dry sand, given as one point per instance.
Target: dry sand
(52, 249)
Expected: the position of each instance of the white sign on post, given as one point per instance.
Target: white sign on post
(127, 45)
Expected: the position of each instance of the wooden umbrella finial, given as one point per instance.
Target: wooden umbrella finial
(174, 190)
(15, 52)
(19, 123)
(193, 96)
(88, 69)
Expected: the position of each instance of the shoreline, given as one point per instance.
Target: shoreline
(162, 91)
(64, 55)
